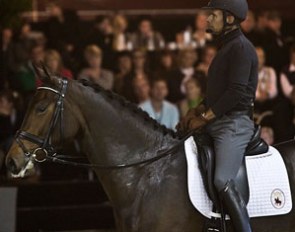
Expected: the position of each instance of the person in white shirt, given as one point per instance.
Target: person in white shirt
(200, 36)
(158, 108)
(147, 38)
(287, 77)
(267, 79)
(187, 59)
(122, 39)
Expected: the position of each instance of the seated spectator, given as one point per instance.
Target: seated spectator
(185, 71)
(140, 62)
(54, 63)
(122, 39)
(8, 64)
(102, 35)
(7, 35)
(140, 70)
(288, 77)
(284, 110)
(26, 75)
(267, 83)
(25, 40)
(141, 89)
(195, 92)
(208, 55)
(248, 26)
(158, 108)
(200, 36)
(147, 38)
(63, 28)
(258, 34)
(10, 119)
(261, 22)
(274, 42)
(94, 72)
(124, 70)
(165, 65)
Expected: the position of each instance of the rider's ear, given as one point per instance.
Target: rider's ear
(230, 19)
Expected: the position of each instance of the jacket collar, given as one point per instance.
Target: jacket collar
(225, 39)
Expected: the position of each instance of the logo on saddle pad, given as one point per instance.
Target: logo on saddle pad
(277, 198)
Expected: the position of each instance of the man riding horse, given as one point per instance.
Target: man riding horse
(226, 114)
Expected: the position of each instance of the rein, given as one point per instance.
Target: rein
(46, 152)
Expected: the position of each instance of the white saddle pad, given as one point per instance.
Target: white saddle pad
(268, 181)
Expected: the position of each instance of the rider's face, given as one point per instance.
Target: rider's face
(215, 22)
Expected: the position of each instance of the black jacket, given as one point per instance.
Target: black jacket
(233, 75)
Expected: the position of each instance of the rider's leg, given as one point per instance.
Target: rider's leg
(231, 136)
(236, 208)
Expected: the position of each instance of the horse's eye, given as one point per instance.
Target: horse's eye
(41, 108)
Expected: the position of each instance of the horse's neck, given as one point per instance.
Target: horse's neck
(114, 136)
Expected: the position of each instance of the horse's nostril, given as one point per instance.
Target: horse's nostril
(11, 165)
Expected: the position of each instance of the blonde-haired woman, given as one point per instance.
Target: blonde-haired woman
(122, 39)
(94, 72)
(54, 63)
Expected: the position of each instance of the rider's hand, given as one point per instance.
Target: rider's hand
(196, 123)
(187, 122)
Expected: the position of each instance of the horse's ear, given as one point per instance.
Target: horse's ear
(41, 72)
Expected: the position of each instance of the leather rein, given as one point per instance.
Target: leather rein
(46, 151)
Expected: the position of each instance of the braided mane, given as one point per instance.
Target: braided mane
(130, 106)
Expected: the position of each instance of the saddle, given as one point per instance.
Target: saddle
(207, 164)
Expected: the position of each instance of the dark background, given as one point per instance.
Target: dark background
(286, 7)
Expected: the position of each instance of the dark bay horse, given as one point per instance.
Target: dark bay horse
(151, 197)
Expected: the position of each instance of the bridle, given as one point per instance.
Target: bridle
(47, 152)
(45, 148)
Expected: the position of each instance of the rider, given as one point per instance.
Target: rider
(227, 110)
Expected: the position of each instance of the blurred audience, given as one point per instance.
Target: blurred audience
(94, 72)
(195, 93)
(208, 55)
(261, 22)
(187, 59)
(63, 29)
(140, 70)
(267, 83)
(273, 42)
(158, 108)
(10, 118)
(287, 77)
(200, 36)
(54, 63)
(147, 69)
(147, 38)
(141, 89)
(248, 27)
(26, 80)
(122, 39)
(102, 35)
(7, 56)
(124, 69)
(165, 64)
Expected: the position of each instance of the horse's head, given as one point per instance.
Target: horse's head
(50, 120)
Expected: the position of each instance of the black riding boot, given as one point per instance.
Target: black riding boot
(236, 208)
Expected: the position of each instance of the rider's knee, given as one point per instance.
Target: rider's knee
(219, 183)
